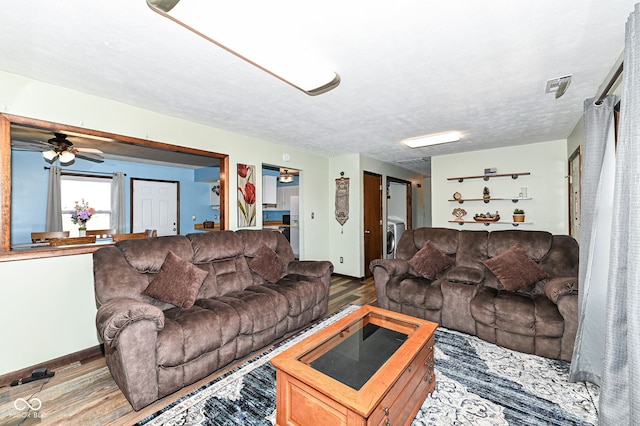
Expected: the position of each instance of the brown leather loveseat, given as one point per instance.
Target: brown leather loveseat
(518, 289)
(172, 310)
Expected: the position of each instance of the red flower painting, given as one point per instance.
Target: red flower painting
(243, 170)
(246, 196)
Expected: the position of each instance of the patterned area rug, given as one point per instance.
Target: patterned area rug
(477, 383)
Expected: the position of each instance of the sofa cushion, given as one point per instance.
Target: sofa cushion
(446, 240)
(417, 291)
(215, 246)
(148, 254)
(429, 261)
(268, 265)
(177, 283)
(182, 341)
(514, 269)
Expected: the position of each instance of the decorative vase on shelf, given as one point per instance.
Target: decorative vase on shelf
(486, 196)
(82, 232)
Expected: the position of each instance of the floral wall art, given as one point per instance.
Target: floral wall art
(246, 196)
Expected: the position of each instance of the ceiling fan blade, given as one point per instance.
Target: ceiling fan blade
(90, 156)
(31, 145)
(90, 150)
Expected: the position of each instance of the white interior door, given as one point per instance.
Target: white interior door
(155, 206)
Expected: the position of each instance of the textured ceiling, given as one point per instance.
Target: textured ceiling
(408, 68)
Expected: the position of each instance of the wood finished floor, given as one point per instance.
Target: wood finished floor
(84, 393)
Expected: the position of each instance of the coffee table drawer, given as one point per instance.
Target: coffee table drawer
(306, 406)
(405, 397)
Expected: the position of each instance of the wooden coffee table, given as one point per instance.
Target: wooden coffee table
(372, 367)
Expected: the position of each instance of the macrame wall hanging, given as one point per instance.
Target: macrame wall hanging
(342, 200)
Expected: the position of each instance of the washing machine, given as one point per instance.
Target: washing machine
(395, 229)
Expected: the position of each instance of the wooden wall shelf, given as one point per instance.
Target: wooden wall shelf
(462, 222)
(513, 199)
(487, 177)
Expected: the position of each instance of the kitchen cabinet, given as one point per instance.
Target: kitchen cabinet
(269, 189)
(283, 196)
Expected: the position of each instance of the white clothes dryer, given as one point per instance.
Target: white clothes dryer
(394, 232)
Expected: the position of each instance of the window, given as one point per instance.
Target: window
(96, 191)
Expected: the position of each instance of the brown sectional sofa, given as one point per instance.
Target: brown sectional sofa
(154, 348)
(540, 318)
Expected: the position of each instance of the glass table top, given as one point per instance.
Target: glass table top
(354, 354)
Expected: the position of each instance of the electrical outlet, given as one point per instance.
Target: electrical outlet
(341, 259)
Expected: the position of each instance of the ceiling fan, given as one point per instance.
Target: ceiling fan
(62, 148)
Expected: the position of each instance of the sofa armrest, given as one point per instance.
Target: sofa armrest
(555, 288)
(117, 314)
(310, 268)
(391, 266)
(384, 270)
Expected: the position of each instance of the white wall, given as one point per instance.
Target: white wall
(347, 242)
(427, 201)
(547, 186)
(63, 317)
(51, 302)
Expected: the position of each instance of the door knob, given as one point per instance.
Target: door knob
(366, 231)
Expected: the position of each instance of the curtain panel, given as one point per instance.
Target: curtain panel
(118, 213)
(598, 172)
(620, 389)
(53, 219)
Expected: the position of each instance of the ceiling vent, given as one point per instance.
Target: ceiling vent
(558, 85)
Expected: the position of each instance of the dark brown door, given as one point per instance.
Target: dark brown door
(373, 234)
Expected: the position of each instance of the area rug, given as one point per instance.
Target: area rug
(477, 383)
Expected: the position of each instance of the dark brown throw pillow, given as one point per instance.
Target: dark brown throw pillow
(429, 261)
(268, 265)
(514, 269)
(177, 282)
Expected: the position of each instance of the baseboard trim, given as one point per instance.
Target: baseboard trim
(54, 364)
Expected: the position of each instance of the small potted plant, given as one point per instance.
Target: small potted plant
(518, 215)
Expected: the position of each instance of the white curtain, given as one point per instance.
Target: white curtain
(53, 219)
(620, 388)
(118, 213)
(598, 173)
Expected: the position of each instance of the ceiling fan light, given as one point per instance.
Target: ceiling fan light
(286, 177)
(49, 155)
(280, 56)
(434, 139)
(66, 157)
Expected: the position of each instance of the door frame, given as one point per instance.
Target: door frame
(409, 195)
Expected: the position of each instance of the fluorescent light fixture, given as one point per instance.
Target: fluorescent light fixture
(234, 32)
(435, 139)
